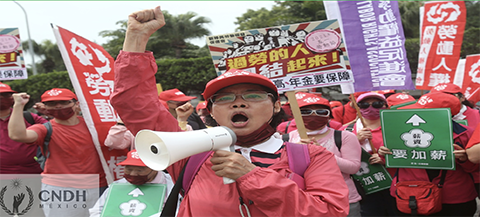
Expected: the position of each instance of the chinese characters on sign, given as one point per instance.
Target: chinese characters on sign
(12, 66)
(418, 138)
(375, 41)
(373, 177)
(442, 36)
(310, 80)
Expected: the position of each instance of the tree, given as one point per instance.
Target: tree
(174, 34)
(51, 59)
(283, 13)
(180, 28)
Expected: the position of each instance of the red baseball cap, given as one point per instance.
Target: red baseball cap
(335, 104)
(5, 88)
(174, 95)
(399, 98)
(201, 105)
(385, 91)
(446, 88)
(437, 100)
(132, 159)
(58, 94)
(236, 76)
(370, 95)
(306, 99)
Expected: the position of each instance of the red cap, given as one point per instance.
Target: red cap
(236, 76)
(370, 95)
(334, 104)
(174, 95)
(132, 159)
(201, 105)
(399, 98)
(437, 100)
(385, 91)
(58, 94)
(5, 88)
(306, 99)
(446, 88)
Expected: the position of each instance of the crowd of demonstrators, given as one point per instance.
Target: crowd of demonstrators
(71, 150)
(346, 114)
(135, 173)
(248, 104)
(204, 114)
(316, 114)
(458, 192)
(398, 99)
(369, 134)
(16, 157)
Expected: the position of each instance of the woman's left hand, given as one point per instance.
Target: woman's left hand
(230, 164)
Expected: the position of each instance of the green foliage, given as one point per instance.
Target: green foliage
(50, 57)
(36, 85)
(412, 46)
(188, 75)
(283, 13)
(471, 42)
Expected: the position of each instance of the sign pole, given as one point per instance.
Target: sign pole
(296, 114)
(359, 114)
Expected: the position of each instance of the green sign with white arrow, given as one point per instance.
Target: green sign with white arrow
(418, 138)
(125, 199)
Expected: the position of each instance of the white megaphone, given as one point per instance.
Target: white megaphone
(158, 150)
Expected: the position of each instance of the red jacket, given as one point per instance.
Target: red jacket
(270, 190)
(458, 186)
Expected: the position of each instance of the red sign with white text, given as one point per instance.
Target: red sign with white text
(471, 78)
(91, 70)
(442, 36)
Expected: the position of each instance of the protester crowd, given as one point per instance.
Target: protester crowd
(266, 183)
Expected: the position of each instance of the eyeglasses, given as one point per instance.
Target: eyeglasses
(6, 95)
(318, 112)
(54, 103)
(376, 104)
(256, 96)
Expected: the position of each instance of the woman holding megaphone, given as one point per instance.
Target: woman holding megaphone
(249, 105)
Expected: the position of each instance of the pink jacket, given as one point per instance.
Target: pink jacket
(268, 190)
(348, 157)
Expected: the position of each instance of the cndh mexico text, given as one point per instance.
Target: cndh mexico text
(62, 196)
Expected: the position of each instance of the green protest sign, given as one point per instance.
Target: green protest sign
(418, 138)
(373, 177)
(125, 199)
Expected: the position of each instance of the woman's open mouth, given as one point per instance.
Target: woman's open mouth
(239, 120)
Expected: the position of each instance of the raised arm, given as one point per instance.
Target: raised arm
(141, 25)
(17, 130)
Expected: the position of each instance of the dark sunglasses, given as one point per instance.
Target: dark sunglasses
(377, 104)
(318, 112)
(54, 103)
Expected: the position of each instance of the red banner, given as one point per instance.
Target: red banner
(471, 78)
(442, 36)
(91, 71)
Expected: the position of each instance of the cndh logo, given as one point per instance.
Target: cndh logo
(50, 198)
(17, 199)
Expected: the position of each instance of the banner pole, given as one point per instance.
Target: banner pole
(359, 114)
(296, 114)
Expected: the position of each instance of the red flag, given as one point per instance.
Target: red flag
(90, 68)
(442, 36)
(471, 79)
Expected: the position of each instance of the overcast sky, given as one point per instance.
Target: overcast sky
(88, 18)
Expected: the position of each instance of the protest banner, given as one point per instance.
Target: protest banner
(375, 41)
(471, 81)
(296, 56)
(440, 45)
(90, 69)
(125, 199)
(418, 138)
(12, 65)
(373, 177)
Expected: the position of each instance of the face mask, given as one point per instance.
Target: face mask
(313, 122)
(370, 113)
(6, 103)
(61, 114)
(137, 180)
(257, 136)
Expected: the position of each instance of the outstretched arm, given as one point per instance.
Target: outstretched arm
(16, 126)
(141, 25)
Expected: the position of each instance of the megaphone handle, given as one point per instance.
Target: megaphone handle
(226, 180)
